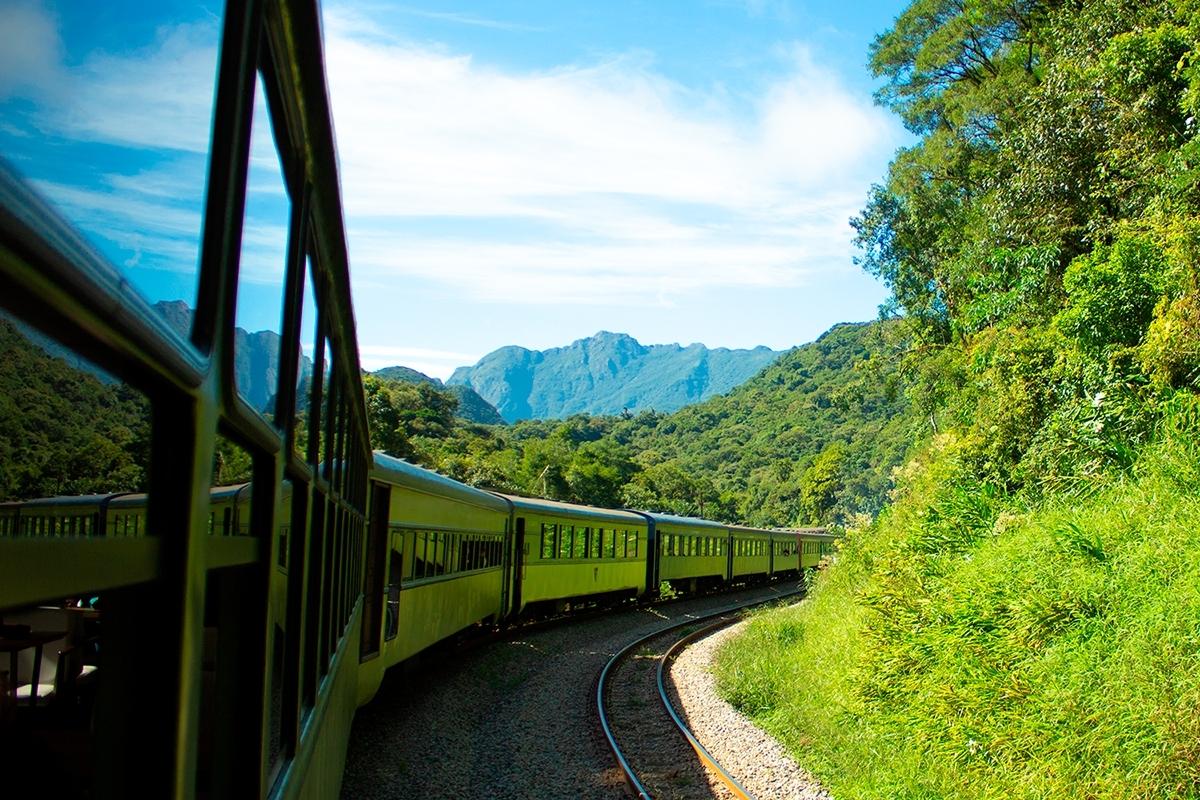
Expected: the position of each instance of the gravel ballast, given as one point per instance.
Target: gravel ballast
(510, 719)
(747, 752)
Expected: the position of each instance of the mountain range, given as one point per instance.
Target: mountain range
(609, 373)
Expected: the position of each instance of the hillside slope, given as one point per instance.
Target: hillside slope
(471, 407)
(812, 438)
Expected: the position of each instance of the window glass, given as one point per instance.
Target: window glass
(77, 444)
(304, 369)
(106, 111)
(262, 265)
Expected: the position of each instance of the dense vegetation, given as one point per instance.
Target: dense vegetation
(1023, 619)
(62, 429)
(812, 438)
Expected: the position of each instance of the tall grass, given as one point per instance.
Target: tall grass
(964, 646)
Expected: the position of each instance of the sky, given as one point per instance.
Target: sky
(512, 173)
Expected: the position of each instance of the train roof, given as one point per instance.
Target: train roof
(66, 501)
(573, 509)
(128, 500)
(813, 533)
(691, 522)
(394, 470)
(751, 529)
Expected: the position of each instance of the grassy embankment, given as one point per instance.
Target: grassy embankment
(965, 647)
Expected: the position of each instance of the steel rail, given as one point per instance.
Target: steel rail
(706, 757)
(631, 778)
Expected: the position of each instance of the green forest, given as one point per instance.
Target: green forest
(811, 439)
(1022, 620)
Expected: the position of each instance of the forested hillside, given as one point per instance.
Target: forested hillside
(62, 429)
(471, 407)
(813, 438)
(1023, 620)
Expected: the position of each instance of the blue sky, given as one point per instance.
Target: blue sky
(511, 173)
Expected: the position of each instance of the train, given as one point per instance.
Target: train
(443, 557)
(204, 642)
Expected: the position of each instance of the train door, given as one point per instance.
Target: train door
(377, 552)
(652, 557)
(519, 555)
(729, 555)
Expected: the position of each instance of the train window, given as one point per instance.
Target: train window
(66, 402)
(566, 537)
(549, 543)
(307, 359)
(110, 122)
(259, 314)
(417, 564)
(62, 407)
(579, 543)
(600, 543)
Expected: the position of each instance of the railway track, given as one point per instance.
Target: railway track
(655, 750)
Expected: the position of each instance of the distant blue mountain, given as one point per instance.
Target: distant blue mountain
(606, 374)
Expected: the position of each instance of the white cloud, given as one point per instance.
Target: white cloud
(159, 97)
(434, 363)
(29, 49)
(628, 186)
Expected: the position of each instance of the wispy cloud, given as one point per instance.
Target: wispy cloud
(460, 18)
(640, 189)
(432, 362)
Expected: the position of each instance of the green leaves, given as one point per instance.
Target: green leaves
(1111, 295)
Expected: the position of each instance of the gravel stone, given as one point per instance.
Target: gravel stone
(748, 753)
(509, 719)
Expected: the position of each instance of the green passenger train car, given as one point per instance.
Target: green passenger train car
(750, 553)
(692, 553)
(564, 553)
(443, 556)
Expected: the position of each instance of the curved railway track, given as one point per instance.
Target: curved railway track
(650, 740)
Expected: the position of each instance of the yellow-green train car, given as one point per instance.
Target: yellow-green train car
(566, 553)
(750, 553)
(443, 556)
(692, 553)
(815, 544)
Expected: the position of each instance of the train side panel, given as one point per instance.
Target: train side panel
(751, 552)
(442, 566)
(572, 552)
(692, 551)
